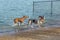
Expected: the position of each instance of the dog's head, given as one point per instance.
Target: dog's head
(25, 17)
(41, 17)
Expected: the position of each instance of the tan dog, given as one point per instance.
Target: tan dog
(20, 20)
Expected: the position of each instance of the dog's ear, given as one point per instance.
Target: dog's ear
(39, 16)
(23, 16)
(26, 16)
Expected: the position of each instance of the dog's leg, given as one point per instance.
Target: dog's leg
(19, 23)
(18, 26)
(29, 22)
(38, 23)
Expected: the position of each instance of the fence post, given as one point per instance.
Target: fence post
(33, 8)
(51, 7)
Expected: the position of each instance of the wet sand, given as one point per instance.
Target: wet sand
(41, 34)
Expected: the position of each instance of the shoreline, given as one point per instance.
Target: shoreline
(41, 34)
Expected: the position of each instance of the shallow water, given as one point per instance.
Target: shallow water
(6, 24)
(8, 28)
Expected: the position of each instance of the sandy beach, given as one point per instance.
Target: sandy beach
(41, 34)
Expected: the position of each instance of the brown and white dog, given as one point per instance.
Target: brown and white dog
(30, 21)
(40, 20)
(20, 20)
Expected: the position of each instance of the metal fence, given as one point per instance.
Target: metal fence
(46, 8)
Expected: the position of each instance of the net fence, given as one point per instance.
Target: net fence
(49, 9)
